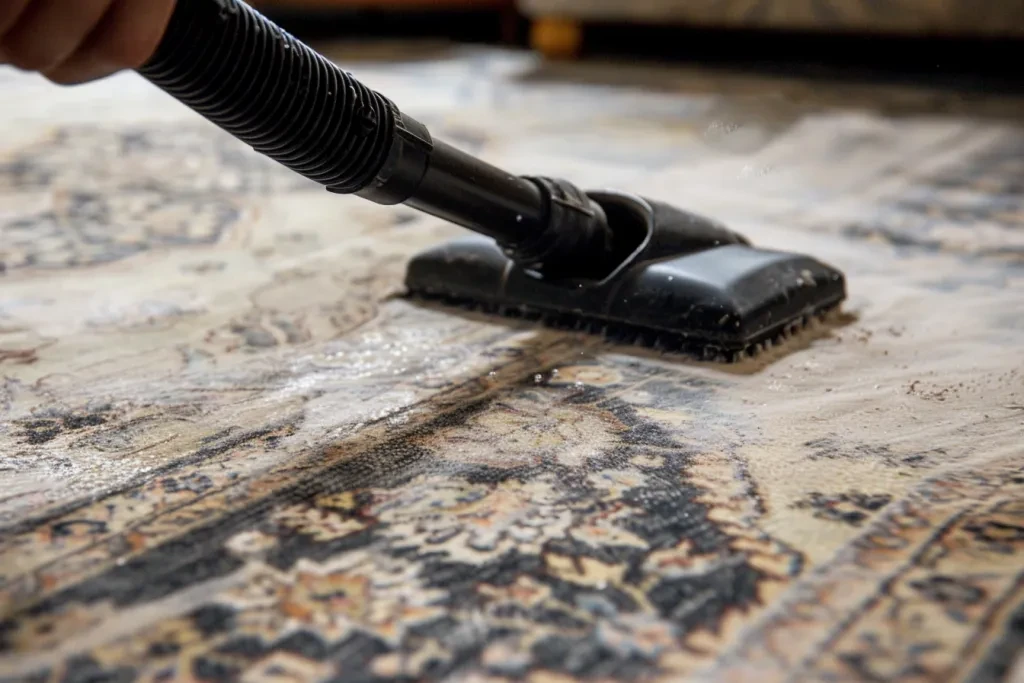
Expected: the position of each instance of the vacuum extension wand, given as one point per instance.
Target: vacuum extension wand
(240, 71)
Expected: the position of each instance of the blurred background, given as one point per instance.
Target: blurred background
(965, 43)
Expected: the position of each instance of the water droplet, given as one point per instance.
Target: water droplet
(578, 385)
(519, 218)
(537, 378)
(554, 372)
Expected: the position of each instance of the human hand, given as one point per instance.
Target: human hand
(75, 41)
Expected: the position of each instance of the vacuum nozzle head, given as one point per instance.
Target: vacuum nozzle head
(671, 279)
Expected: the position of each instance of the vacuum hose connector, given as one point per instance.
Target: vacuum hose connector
(237, 69)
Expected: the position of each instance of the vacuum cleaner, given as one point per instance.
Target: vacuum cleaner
(611, 263)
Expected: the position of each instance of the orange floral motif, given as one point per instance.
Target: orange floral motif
(526, 592)
(314, 597)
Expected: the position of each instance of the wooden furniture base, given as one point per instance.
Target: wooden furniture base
(556, 37)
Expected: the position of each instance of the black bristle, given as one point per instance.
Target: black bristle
(674, 343)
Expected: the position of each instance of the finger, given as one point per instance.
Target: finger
(125, 37)
(80, 69)
(49, 31)
(129, 33)
(10, 10)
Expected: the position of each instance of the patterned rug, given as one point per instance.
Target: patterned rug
(229, 451)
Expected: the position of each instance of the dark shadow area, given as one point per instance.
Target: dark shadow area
(482, 26)
(971, 64)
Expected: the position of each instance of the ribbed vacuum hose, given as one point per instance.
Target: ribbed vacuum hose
(233, 66)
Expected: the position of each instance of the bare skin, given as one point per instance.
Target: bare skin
(76, 41)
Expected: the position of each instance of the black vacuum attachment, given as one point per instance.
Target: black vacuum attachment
(601, 260)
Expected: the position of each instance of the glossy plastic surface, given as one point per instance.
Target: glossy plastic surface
(688, 276)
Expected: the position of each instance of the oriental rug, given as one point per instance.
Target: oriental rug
(229, 450)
